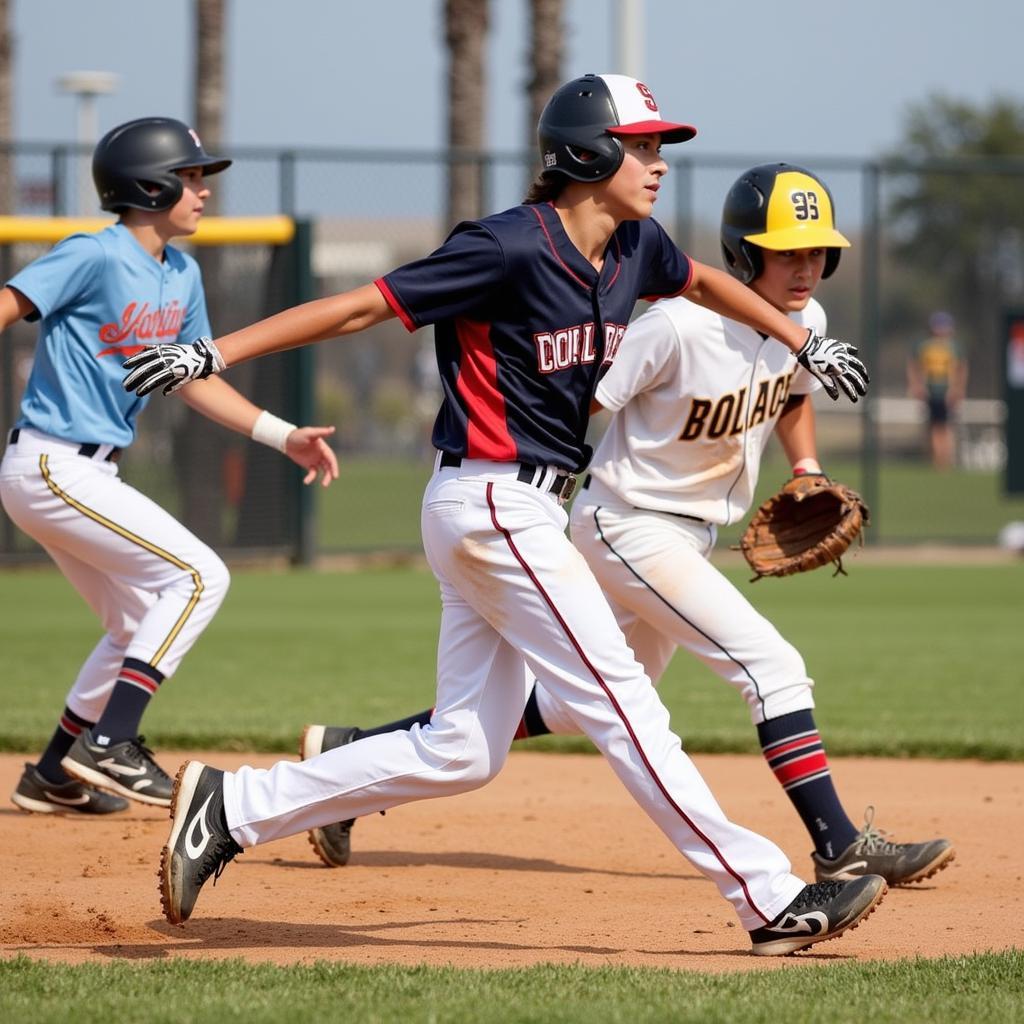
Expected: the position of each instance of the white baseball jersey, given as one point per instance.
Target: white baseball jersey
(696, 397)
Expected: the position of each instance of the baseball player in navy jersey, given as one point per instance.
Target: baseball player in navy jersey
(695, 398)
(153, 585)
(524, 304)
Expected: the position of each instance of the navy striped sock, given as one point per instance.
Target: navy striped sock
(794, 752)
(64, 735)
(135, 686)
(532, 723)
(402, 725)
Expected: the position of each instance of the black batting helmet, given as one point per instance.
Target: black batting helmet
(779, 207)
(578, 127)
(134, 163)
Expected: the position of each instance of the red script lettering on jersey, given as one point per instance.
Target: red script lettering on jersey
(141, 323)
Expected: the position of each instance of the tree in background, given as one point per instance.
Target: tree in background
(956, 221)
(547, 49)
(7, 198)
(200, 446)
(466, 23)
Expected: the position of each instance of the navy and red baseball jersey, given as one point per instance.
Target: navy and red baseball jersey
(522, 324)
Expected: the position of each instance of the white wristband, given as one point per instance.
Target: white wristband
(806, 466)
(271, 430)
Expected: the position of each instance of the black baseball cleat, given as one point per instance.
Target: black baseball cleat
(872, 854)
(38, 795)
(820, 912)
(199, 845)
(333, 843)
(126, 768)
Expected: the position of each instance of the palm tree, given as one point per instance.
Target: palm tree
(6, 48)
(465, 27)
(209, 77)
(199, 444)
(547, 49)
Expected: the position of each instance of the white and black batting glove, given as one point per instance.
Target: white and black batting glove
(171, 366)
(835, 364)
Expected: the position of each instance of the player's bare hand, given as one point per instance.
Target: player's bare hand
(835, 364)
(307, 447)
(169, 367)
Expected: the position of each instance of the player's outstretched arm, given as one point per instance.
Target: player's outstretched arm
(169, 367)
(833, 362)
(307, 447)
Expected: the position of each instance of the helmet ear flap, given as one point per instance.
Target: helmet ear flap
(754, 261)
(745, 262)
(159, 195)
(589, 163)
(831, 261)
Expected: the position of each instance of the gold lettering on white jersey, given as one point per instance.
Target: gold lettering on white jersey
(727, 414)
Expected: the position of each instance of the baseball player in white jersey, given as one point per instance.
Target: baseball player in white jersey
(153, 585)
(695, 397)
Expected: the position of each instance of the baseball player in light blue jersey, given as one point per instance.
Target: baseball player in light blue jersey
(100, 298)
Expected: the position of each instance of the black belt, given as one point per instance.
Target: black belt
(678, 515)
(88, 450)
(562, 486)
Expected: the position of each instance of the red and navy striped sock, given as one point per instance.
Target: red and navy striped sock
(794, 752)
(136, 684)
(64, 735)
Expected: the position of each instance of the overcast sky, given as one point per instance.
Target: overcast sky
(799, 77)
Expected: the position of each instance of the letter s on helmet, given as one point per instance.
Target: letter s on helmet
(778, 207)
(579, 128)
(134, 163)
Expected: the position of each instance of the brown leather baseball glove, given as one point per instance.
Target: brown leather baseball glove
(809, 523)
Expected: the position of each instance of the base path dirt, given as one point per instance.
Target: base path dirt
(550, 863)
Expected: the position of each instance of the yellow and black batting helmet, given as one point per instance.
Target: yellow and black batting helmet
(779, 207)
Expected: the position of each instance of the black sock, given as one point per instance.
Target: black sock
(135, 686)
(794, 752)
(401, 725)
(64, 735)
(532, 724)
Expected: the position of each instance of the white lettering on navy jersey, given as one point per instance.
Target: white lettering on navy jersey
(573, 346)
(612, 339)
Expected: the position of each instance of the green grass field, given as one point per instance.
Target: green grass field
(985, 989)
(908, 660)
(377, 504)
(922, 660)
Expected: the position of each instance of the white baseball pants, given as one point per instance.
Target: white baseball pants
(654, 569)
(518, 602)
(153, 585)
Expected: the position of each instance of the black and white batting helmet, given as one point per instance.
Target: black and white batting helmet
(780, 207)
(579, 128)
(134, 163)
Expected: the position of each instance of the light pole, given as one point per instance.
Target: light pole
(86, 86)
(628, 29)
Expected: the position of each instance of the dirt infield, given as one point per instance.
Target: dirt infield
(551, 863)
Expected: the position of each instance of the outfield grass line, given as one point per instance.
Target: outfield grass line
(978, 989)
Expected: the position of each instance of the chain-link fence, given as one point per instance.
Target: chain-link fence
(948, 235)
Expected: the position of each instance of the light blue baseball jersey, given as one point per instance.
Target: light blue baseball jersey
(101, 298)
